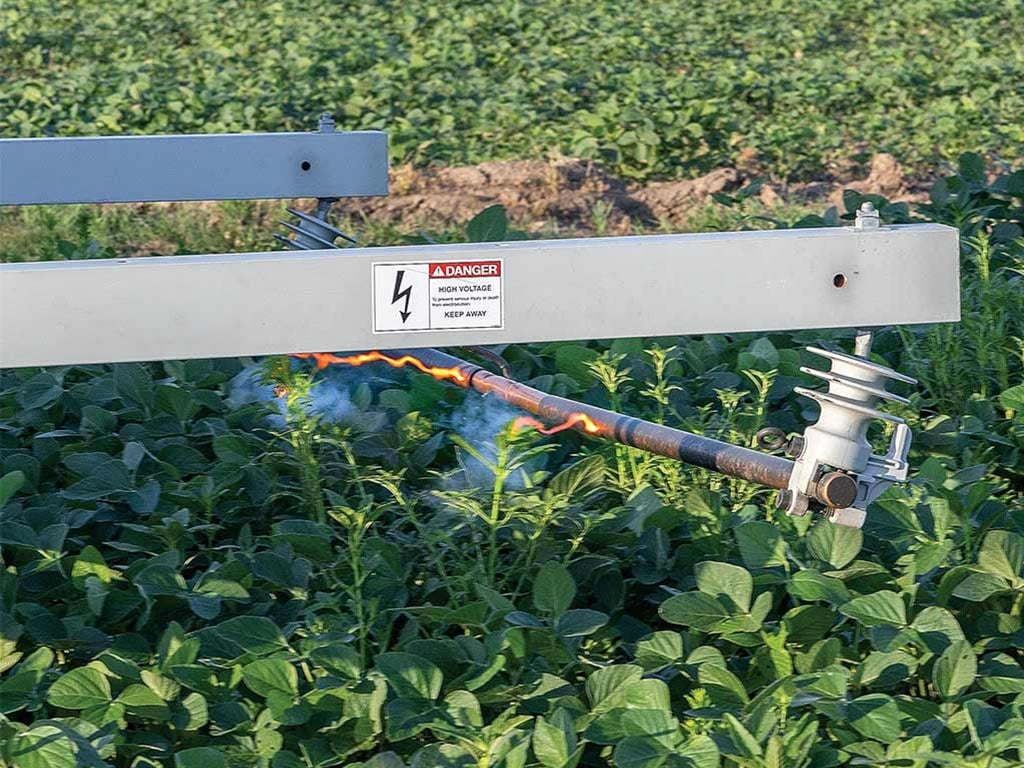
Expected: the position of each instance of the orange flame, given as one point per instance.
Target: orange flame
(323, 359)
(573, 420)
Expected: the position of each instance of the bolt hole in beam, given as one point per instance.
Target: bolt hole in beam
(839, 281)
(305, 165)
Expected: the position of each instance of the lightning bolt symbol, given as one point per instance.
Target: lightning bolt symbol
(400, 293)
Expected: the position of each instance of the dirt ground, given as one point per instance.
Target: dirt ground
(557, 198)
(579, 195)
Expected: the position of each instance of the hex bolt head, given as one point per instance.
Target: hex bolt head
(326, 123)
(782, 499)
(867, 216)
(795, 448)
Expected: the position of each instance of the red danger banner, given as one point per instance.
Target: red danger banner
(462, 269)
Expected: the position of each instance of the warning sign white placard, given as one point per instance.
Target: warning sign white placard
(437, 296)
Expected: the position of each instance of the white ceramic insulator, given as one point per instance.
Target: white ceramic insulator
(855, 385)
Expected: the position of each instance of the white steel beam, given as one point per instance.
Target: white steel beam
(180, 307)
(112, 169)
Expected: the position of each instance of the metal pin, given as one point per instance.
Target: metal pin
(862, 342)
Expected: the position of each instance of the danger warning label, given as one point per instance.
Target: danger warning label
(437, 296)
(466, 269)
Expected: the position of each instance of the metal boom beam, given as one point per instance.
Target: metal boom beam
(451, 295)
(111, 169)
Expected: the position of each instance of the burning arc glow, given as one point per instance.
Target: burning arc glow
(576, 419)
(324, 359)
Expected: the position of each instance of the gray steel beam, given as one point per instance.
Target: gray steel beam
(106, 169)
(179, 307)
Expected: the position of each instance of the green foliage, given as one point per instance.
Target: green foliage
(211, 563)
(651, 90)
(490, 225)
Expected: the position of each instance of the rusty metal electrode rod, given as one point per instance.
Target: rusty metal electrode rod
(733, 460)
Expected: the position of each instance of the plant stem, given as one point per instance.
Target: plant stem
(494, 519)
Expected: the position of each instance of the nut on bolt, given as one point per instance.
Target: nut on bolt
(795, 447)
(837, 489)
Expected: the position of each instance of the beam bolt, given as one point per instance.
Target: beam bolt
(867, 216)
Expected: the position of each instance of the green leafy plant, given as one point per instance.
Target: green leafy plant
(219, 563)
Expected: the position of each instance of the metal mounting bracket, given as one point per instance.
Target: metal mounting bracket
(837, 441)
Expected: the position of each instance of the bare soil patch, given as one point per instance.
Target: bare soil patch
(580, 195)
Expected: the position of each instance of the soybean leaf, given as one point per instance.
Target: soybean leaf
(488, 226)
(1001, 673)
(616, 724)
(820, 655)
(411, 676)
(1012, 399)
(744, 742)
(554, 739)
(197, 710)
(340, 659)
(875, 716)
(837, 545)
(659, 649)
(266, 675)
(730, 584)
(80, 688)
(886, 670)
(553, 589)
(937, 628)
(725, 688)
(955, 669)
(1002, 554)
(10, 483)
(134, 384)
(572, 359)
(640, 752)
(42, 746)
(141, 701)
(809, 584)
(761, 544)
(582, 477)
(200, 757)
(880, 608)
(694, 609)
(253, 634)
(980, 586)
(90, 562)
(605, 682)
(108, 479)
(807, 623)
(232, 449)
(580, 622)
(700, 752)
(40, 391)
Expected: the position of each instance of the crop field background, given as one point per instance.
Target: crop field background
(652, 89)
(253, 563)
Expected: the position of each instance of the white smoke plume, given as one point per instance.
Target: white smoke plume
(478, 421)
(247, 387)
(328, 399)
